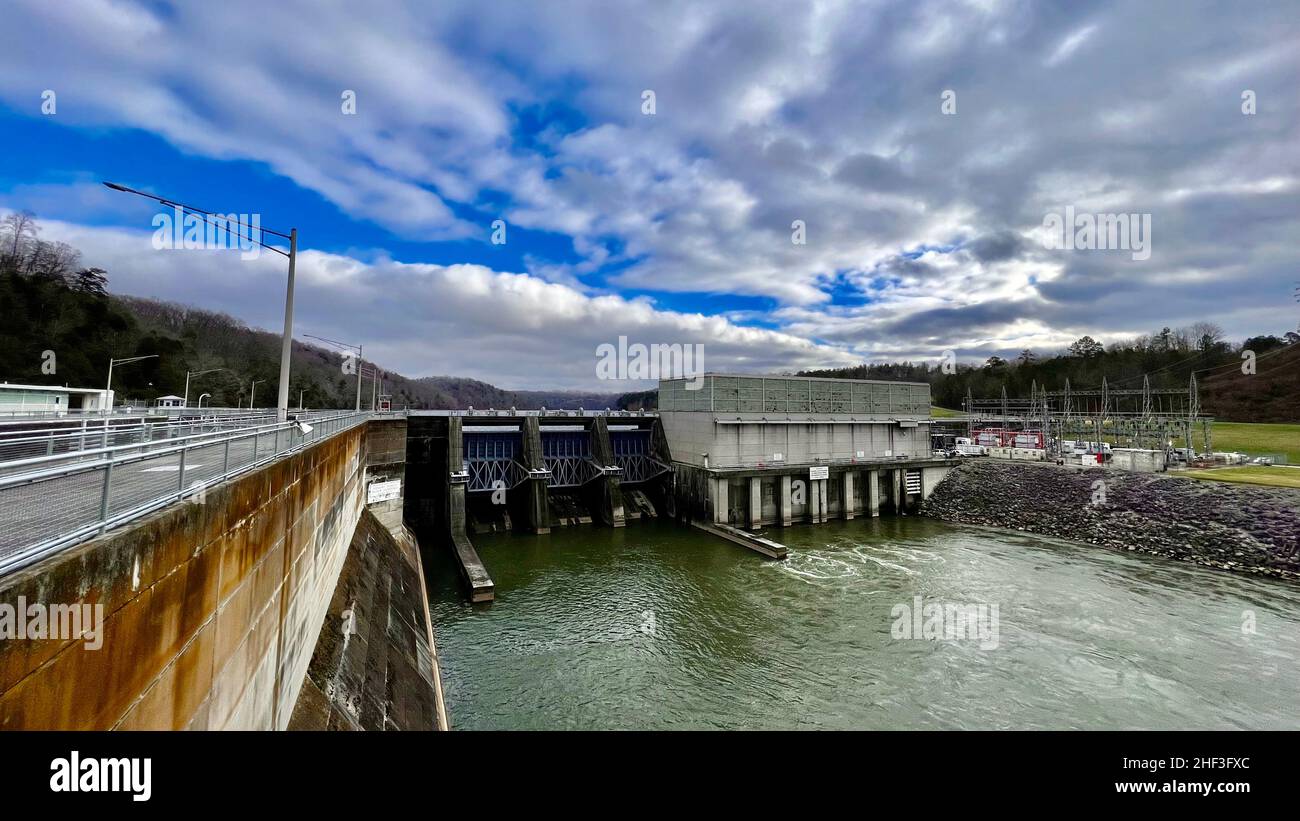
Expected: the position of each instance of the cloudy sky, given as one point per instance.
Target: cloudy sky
(920, 145)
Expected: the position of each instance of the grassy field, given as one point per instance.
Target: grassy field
(1252, 438)
(943, 413)
(1254, 475)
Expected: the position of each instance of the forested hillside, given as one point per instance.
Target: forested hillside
(60, 315)
(1271, 393)
(61, 325)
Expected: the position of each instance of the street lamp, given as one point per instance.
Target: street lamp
(252, 391)
(286, 344)
(188, 374)
(345, 345)
(373, 373)
(124, 361)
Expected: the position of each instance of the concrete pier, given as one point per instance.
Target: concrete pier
(756, 543)
(536, 504)
(847, 509)
(608, 499)
(435, 496)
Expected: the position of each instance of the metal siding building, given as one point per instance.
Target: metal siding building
(752, 421)
(729, 393)
(20, 400)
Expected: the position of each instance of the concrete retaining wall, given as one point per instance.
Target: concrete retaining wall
(1228, 526)
(211, 610)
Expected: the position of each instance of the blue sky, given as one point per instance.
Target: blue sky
(923, 226)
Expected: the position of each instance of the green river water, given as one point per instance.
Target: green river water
(660, 626)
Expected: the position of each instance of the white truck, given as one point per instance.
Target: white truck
(965, 447)
(1069, 447)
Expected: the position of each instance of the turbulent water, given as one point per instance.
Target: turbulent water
(662, 626)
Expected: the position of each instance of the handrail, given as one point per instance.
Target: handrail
(26, 539)
(216, 438)
(106, 424)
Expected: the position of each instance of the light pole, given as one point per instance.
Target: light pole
(201, 399)
(286, 344)
(188, 374)
(252, 391)
(123, 361)
(374, 380)
(358, 363)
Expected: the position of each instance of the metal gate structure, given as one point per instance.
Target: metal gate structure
(492, 460)
(632, 453)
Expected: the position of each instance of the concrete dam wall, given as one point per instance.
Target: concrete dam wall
(1217, 524)
(210, 610)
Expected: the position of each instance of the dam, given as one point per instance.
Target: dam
(742, 550)
(729, 454)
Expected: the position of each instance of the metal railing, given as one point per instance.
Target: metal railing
(50, 502)
(18, 444)
(545, 412)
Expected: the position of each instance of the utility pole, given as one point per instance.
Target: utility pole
(188, 374)
(359, 361)
(286, 345)
(108, 387)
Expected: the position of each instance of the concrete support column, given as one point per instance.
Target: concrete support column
(455, 511)
(896, 489)
(814, 500)
(755, 502)
(719, 501)
(847, 495)
(824, 496)
(785, 508)
(610, 502)
(873, 492)
(537, 506)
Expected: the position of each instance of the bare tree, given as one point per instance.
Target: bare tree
(17, 231)
(53, 260)
(1205, 335)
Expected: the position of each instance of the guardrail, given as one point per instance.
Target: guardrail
(545, 412)
(50, 502)
(16, 444)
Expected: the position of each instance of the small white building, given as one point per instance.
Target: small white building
(26, 400)
(169, 401)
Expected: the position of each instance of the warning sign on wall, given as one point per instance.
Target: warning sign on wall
(383, 491)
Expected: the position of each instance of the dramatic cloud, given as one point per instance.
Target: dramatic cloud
(422, 319)
(923, 229)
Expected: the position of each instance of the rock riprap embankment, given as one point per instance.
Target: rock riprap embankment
(1229, 526)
